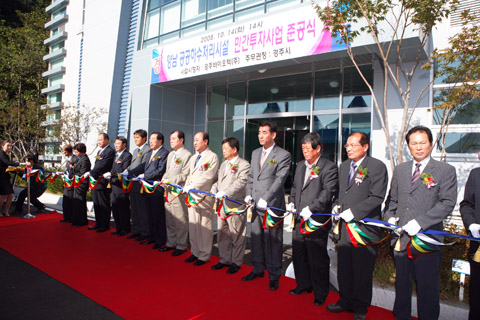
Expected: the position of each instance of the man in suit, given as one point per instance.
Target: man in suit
(138, 204)
(470, 211)
(176, 210)
(67, 201)
(119, 199)
(314, 188)
(423, 192)
(265, 186)
(101, 194)
(153, 170)
(363, 184)
(203, 174)
(231, 234)
(80, 191)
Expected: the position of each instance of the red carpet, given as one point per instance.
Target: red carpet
(137, 282)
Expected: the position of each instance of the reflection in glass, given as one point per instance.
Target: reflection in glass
(240, 4)
(153, 4)
(215, 132)
(193, 12)
(249, 13)
(281, 94)
(220, 22)
(219, 7)
(172, 37)
(327, 127)
(461, 142)
(327, 89)
(236, 99)
(217, 102)
(355, 92)
(235, 129)
(152, 23)
(358, 122)
(199, 28)
(170, 17)
(281, 5)
(468, 112)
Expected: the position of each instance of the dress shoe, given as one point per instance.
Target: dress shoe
(114, 232)
(298, 291)
(359, 316)
(335, 308)
(273, 285)
(93, 227)
(141, 238)
(123, 233)
(102, 230)
(165, 249)
(157, 246)
(318, 302)
(178, 252)
(65, 220)
(133, 236)
(191, 259)
(147, 242)
(233, 269)
(41, 210)
(80, 225)
(252, 276)
(219, 266)
(199, 263)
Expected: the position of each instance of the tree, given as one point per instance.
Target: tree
(387, 22)
(21, 81)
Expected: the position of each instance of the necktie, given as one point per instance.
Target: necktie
(198, 158)
(137, 151)
(353, 168)
(262, 159)
(416, 173)
(151, 157)
(117, 156)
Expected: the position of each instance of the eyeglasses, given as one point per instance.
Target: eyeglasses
(422, 144)
(352, 145)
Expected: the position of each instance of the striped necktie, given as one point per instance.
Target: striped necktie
(416, 173)
(353, 168)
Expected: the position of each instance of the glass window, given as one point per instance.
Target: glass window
(219, 7)
(240, 4)
(461, 142)
(327, 89)
(235, 129)
(220, 22)
(56, 64)
(466, 113)
(193, 12)
(355, 92)
(57, 46)
(281, 5)
(282, 94)
(236, 99)
(152, 4)
(327, 127)
(59, 12)
(357, 122)
(54, 31)
(193, 30)
(250, 13)
(444, 78)
(54, 98)
(172, 37)
(215, 132)
(170, 17)
(56, 81)
(217, 102)
(152, 23)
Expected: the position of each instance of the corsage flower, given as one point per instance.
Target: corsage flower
(361, 175)
(233, 167)
(427, 180)
(272, 161)
(204, 166)
(314, 173)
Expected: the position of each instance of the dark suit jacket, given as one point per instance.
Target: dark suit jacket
(470, 206)
(318, 194)
(102, 165)
(428, 206)
(81, 167)
(268, 182)
(153, 170)
(364, 199)
(119, 166)
(70, 166)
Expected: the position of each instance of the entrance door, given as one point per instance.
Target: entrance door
(290, 132)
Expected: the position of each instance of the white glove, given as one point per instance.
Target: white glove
(187, 189)
(346, 215)
(220, 194)
(141, 176)
(291, 207)
(475, 230)
(214, 190)
(262, 204)
(86, 175)
(248, 199)
(412, 227)
(124, 173)
(107, 175)
(164, 183)
(306, 213)
(135, 179)
(393, 220)
(336, 209)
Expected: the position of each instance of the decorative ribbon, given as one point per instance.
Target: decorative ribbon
(193, 201)
(175, 191)
(269, 218)
(54, 176)
(310, 225)
(229, 212)
(69, 183)
(93, 183)
(78, 181)
(148, 187)
(43, 176)
(127, 184)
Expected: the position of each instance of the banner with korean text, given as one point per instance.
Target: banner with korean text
(287, 35)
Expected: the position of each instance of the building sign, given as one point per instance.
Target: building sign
(291, 34)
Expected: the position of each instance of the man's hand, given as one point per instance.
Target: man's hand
(187, 189)
(291, 207)
(346, 215)
(141, 176)
(412, 227)
(306, 213)
(124, 173)
(475, 230)
(86, 175)
(262, 204)
(107, 175)
(220, 194)
(248, 199)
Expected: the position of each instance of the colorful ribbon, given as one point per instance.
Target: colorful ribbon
(229, 212)
(173, 191)
(310, 225)
(193, 201)
(127, 184)
(150, 188)
(269, 218)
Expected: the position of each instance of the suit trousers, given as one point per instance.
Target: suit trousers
(34, 195)
(156, 217)
(425, 269)
(177, 223)
(311, 261)
(474, 292)
(102, 208)
(200, 227)
(80, 205)
(355, 273)
(231, 239)
(120, 210)
(67, 204)
(138, 211)
(267, 247)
